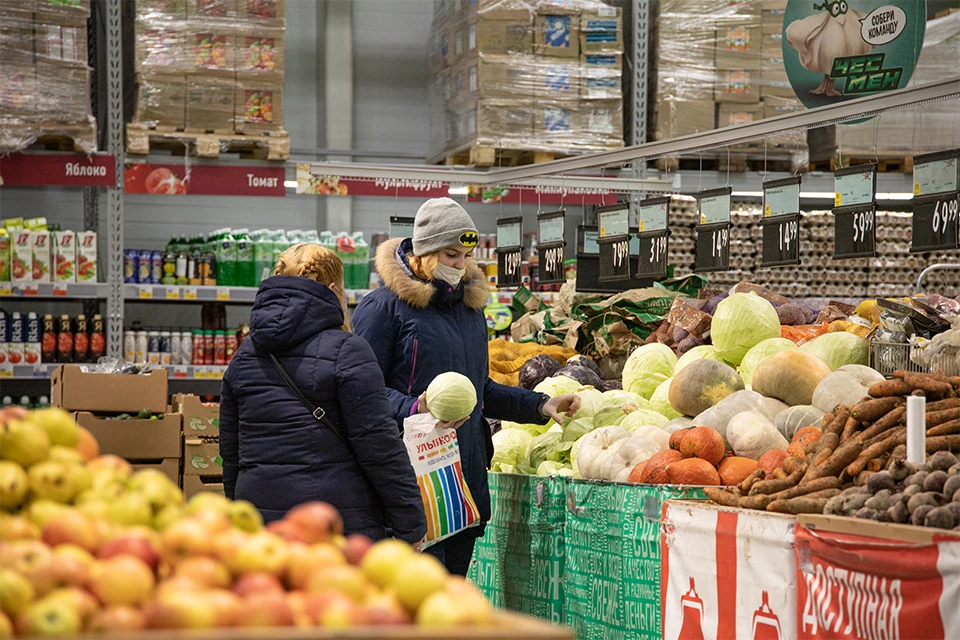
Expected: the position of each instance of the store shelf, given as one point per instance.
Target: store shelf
(56, 290)
(175, 293)
(44, 370)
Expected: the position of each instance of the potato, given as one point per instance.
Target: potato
(942, 461)
(853, 502)
(917, 478)
(911, 491)
(951, 486)
(954, 470)
(880, 502)
(935, 481)
(898, 512)
(954, 508)
(882, 480)
(866, 514)
(956, 496)
(917, 517)
(921, 499)
(940, 518)
(898, 470)
(835, 506)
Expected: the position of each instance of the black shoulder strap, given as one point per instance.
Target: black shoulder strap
(317, 412)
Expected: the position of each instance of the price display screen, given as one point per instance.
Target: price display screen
(654, 213)
(509, 258)
(550, 227)
(613, 220)
(781, 197)
(855, 185)
(614, 242)
(935, 226)
(936, 173)
(550, 245)
(509, 232)
(401, 227)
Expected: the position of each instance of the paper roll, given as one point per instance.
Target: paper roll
(916, 429)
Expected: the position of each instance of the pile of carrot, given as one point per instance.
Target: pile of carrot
(855, 442)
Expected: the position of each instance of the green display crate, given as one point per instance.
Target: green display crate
(519, 561)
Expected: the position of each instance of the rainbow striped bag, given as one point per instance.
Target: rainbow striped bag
(435, 455)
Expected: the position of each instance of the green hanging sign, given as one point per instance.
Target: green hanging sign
(836, 50)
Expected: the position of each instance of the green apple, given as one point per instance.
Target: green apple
(207, 500)
(168, 515)
(23, 442)
(61, 453)
(16, 592)
(51, 617)
(154, 486)
(81, 477)
(245, 516)
(95, 509)
(50, 480)
(130, 509)
(43, 512)
(417, 579)
(58, 424)
(13, 485)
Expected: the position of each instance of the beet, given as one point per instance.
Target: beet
(586, 362)
(917, 517)
(581, 374)
(536, 370)
(935, 481)
(940, 518)
(942, 461)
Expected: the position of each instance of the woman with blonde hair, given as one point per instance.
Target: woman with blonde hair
(304, 413)
(427, 319)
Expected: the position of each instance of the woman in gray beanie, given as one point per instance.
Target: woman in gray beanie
(427, 319)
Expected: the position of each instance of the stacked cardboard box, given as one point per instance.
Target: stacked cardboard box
(102, 403)
(202, 465)
(45, 84)
(527, 75)
(210, 65)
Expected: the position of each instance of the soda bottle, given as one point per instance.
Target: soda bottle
(81, 341)
(227, 260)
(245, 275)
(182, 276)
(169, 268)
(194, 258)
(65, 340)
(281, 242)
(263, 255)
(361, 262)
(345, 248)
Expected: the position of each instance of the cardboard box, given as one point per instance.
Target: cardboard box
(500, 36)
(260, 51)
(169, 467)
(731, 115)
(199, 418)
(738, 47)
(135, 439)
(602, 61)
(211, 46)
(18, 89)
(740, 85)
(495, 10)
(601, 29)
(555, 79)
(258, 104)
(64, 256)
(772, 20)
(773, 5)
(601, 83)
(271, 13)
(777, 106)
(210, 102)
(161, 48)
(771, 46)
(212, 8)
(677, 118)
(63, 92)
(554, 118)
(498, 77)
(600, 118)
(161, 99)
(557, 36)
(73, 12)
(201, 457)
(512, 119)
(558, 7)
(75, 390)
(161, 9)
(63, 43)
(192, 485)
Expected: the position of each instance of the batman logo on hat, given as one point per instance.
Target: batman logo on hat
(469, 239)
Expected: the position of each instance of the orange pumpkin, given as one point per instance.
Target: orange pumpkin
(693, 471)
(704, 443)
(807, 435)
(735, 470)
(637, 473)
(655, 471)
(772, 460)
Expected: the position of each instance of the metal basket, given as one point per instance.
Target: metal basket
(887, 357)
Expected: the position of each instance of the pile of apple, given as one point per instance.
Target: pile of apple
(89, 546)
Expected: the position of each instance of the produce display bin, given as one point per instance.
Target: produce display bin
(76, 390)
(135, 439)
(612, 543)
(519, 562)
(199, 419)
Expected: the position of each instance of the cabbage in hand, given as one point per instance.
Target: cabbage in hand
(451, 397)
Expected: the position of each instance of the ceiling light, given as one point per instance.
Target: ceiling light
(458, 191)
(290, 184)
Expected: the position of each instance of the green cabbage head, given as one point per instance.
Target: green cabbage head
(557, 386)
(648, 366)
(510, 448)
(451, 396)
(837, 349)
(741, 321)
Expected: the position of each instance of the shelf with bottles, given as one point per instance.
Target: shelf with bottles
(28, 340)
(54, 290)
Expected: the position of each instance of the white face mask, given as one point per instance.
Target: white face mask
(448, 274)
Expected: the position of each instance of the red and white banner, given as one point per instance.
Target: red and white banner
(203, 180)
(727, 574)
(868, 588)
(57, 170)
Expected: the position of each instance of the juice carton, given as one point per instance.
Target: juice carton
(21, 261)
(40, 255)
(4, 258)
(64, 256)
(4, 338)
(86, 256)
(15, 342)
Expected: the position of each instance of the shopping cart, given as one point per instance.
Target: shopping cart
(887, 357)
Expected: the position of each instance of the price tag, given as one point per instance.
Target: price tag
(855, 232)
(179, 371)
(189, 293)
(223, 294)
(401, 227)
(781, 197)
(935, 226)
(60, 289)
(614, 242)
(172, 293)
(509, 258)
(856, 185)
(40, 371)
(781, 241)
(654, 213)
(199, 373)
(6, 370)
(652, 260)
(216, 373)
(5, 289)
(550, 245)
(145, 292)
(713, 232)
(30, 290)
(936, 173)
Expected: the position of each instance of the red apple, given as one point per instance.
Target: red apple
(319, 520)
(289, 531)
(121, 579)
(72, 527)
(207, 571)
(328, 608)
(227, 604)
(262, 551)
(259, 582)
(117, 618)
(113, 462)
(306, 560)
(133, 545)
(298, 604)
(266, 609)
(57, 572)
(215, 521)
(179, 584)
(24, 555)
(227, 545)
(17, 528)
(384, 608)
(356, 547)
(184, 538)
(181, 610)
(345, 579)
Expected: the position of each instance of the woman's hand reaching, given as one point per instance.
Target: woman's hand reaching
(453, 424)
(560, 406)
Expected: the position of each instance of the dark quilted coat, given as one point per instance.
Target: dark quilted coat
(419, 330)
(276, 455)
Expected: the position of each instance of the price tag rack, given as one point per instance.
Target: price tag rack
(781, 222)
(614, 242)
(936, 202)
(654, 237)
(509, 252)
(713, 232)
(855, 212)
(550, 246)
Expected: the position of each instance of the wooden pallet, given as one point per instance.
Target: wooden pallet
(735, 162)
(886, 162)
(269, 145)
(488, 156)
(51, 136)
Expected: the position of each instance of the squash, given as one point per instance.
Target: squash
(772, 460)
(701, 385)
(658, 435)
(791, 376)
(625, 455)
(655, 471)
(703, 443)
(693, 471)
(719, 416)
(760, 352)
(848, 385)
(703, 351)
(751, 435)
(678, 423)
(735, 470)
(637, 473)
(797, 418)
(593, 449)
(661, 403)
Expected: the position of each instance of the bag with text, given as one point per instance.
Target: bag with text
(435, 455)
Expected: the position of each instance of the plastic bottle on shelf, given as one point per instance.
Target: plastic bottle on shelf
(129, 347)
(245, 269)
(280, 244)
(345, 250)
(143, 346)
(81, 340)
(182, 264)
(194, 256)
(226, 260)
(98, 339)
(65, 340)
(262, 255)
(48, 341)
(361, 262)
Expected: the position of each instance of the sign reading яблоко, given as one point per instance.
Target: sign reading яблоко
(836, 50)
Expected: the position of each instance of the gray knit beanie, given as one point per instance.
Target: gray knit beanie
(442, 223)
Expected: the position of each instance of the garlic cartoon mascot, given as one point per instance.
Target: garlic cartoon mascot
(820, 38)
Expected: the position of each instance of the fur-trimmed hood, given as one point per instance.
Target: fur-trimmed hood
(395, 275)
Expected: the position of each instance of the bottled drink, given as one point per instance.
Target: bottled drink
(197, 351)
(156, 266)
(361, 262)
(98, 339)
(231, 345)
(169, 268)
(129, 347)
(65, 340)
(346, 249)
(186, 348)
(227, 260)
(174, 347)
(263, 256)
(130, 259)
(143, 346)
(194, 258)
(31, 347)
(219, 348)
(81, 341)
(153, 349)
(208, 347)
(144, 273)
(165, 354)
(48, 341)
(182, 274)
(245, 276)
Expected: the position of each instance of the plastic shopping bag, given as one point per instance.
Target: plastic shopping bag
(435, 455)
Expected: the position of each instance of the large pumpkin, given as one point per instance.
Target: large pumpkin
(655, 472)
(701, 385)
(693, 471)
(790, 376)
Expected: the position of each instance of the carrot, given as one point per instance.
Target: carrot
(773, 486)
(778, 474)
(889, 388)
(886, 422)
(861, 479)
(724, 498)
(791, 464)
(841, 457)
(898, 437)
(946, 429)
(877, 464)
(870, 410)
(928, 383)
(900, 374)
(849, 428)
(759, 502)
(939, 417)
(943, 443)
(840, 419)
(804, 488)
(803, 504)
(827, 419)
(940, 405)
(750, 480)
(822, 455)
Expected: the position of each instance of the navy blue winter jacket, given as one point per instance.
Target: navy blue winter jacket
(421, 329)
(277, 455)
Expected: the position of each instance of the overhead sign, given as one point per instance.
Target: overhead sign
(855, 212)
(781, 222)
(713, 232)
(936, 199)
(614, 242)
(550, 246)
(203, 180)
(654, 234)
(837, 50)
(57, 170)
(509, 252)
(401, 227)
